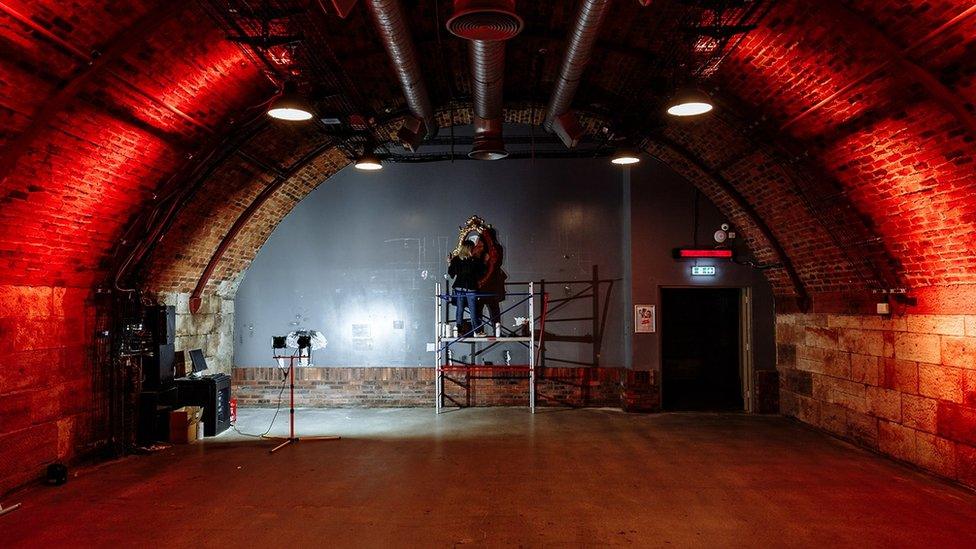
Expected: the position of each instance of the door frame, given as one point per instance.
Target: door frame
(746, 358)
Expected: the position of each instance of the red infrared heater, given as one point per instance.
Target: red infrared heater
(702, 253)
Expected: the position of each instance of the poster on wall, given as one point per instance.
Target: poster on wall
(644, 321)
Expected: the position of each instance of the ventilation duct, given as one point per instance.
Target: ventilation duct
(390, 23)
(559, 118)
(486, 24)
(492, 20)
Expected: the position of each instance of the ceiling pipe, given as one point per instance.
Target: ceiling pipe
(559, 118)
(488, 69)
(391, 24)
(486, 24)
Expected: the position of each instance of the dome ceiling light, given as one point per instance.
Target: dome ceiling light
(690, 102)
(625, 157)
(290, 105)
(369, 162)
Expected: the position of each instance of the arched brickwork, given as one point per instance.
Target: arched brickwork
(881, 97)
(150, 100)
(181, 258)
(849, 133)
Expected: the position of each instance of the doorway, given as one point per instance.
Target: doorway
(700, 349)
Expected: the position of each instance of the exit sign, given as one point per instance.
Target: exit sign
(703, 270)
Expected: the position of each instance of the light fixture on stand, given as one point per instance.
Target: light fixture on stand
(690, 102)
(290, 105)
(303, 342)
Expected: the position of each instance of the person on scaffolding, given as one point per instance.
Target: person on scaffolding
(466, 269)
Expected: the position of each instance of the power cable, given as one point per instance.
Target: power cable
(281, 392)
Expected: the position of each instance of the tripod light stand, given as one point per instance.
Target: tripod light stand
(303, 354)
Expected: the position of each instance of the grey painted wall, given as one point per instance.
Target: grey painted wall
(358, 258)
(662, 212)
(362, 252)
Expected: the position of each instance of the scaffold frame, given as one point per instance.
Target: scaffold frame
(445, 340)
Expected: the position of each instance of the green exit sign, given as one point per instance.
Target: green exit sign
(703, 270)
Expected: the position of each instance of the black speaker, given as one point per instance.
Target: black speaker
(57, 474)
(161, 322)
(158, 367)
(153, 410)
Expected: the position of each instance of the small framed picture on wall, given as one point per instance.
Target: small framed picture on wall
(644, 319)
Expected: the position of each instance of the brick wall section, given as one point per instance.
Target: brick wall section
(45, 379)
(904, 386)
(635, 391)
(398, 386)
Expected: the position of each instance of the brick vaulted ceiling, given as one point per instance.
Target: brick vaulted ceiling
(131, 139)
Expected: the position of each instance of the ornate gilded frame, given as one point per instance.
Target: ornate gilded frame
(474, 224)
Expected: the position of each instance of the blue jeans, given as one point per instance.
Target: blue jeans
(466, 298)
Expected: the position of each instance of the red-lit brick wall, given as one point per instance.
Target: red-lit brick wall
(879, 96)
(99, 103)
(904, 386)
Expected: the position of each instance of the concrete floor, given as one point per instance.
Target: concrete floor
(502, 477)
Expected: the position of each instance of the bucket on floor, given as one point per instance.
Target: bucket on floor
(233, 410)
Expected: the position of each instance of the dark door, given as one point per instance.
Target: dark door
(700, 349)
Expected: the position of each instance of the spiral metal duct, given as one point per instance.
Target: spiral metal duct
(586, 29)
(486, 24)
(390, 22)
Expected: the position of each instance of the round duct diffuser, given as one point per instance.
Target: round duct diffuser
(492, 20)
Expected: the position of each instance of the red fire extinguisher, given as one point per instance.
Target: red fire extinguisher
(233, 410)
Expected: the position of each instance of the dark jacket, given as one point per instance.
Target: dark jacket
(466, 272)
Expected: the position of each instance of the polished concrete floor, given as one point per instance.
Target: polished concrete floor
(502, 478)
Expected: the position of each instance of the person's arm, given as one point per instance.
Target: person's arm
(488, 268)
(452, 268)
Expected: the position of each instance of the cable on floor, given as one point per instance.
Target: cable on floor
(281, 391)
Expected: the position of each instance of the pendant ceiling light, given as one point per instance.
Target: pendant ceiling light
(625, 157)
(290, 105)
(369, 161)
(690, 102)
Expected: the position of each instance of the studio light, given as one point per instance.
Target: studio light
(290, 105)
(625, 157)
(690, 102)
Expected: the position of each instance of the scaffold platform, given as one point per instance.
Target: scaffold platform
(445, 343)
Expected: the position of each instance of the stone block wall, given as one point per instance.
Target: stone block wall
(46, 389)
(904, 386)
(210, 329)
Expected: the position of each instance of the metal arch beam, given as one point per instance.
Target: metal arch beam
(176, 193)
(94, 64)
(796, 163)
(936, 89)
(245, 216)
(802, 296)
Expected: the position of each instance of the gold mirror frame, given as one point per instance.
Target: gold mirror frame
(474, 224)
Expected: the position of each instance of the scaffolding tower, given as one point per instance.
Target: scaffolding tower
(446, 340)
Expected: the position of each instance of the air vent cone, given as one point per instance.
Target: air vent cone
(492, 20)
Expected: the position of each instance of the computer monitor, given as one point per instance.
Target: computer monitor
(198, 360)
